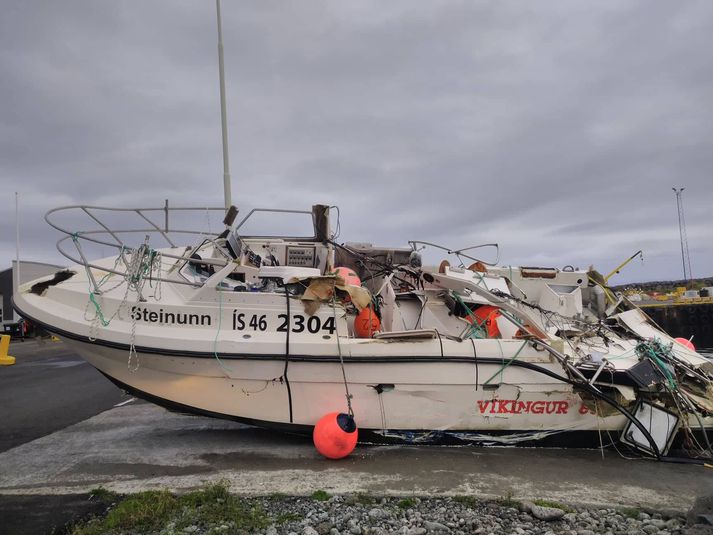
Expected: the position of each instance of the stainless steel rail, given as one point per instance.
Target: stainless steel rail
(460, 252)
(98, 235)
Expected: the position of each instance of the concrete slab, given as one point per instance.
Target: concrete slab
(138, 446)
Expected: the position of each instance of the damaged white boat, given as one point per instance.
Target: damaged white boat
(267, 330)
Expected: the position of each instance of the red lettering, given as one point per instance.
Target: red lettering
(514, 406)
(483, 405)
(506, 406)
(523, 406)
(583, 409)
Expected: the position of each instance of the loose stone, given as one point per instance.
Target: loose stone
(546, 513)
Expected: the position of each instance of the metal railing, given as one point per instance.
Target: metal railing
(460, 253)
(162, 228)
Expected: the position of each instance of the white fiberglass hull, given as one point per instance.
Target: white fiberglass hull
(388, 398)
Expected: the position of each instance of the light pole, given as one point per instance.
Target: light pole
(685, 257)
(224, 122)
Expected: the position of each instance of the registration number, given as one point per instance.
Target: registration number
(298, 323)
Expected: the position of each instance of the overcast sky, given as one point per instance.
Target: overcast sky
(556, 129)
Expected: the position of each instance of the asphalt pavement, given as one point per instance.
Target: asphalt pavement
(47, 389)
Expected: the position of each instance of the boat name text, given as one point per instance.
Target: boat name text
(514, 406)
(169, 318)
(295, 323)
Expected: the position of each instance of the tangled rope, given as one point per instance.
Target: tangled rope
(673, 372)
(140, 266)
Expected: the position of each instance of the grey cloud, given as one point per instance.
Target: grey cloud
(556, 129)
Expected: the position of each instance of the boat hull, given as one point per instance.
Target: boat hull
(491, 392)
(408, 401)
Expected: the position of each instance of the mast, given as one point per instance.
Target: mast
(221, 69)
(685, 256)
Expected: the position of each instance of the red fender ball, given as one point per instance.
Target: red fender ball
(348, 275)
(366, 323)
(686, 342)
(335, 435)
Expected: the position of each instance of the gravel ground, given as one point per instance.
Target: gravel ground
(361, 515)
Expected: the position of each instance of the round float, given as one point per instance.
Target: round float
(686, 343)
(335, 435)
(367, 323)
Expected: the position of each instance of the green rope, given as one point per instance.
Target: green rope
(657, 352)
(502, 368)
(148, 257)
(100, 314)
(481, 280)
(476, 329)
(226, 370)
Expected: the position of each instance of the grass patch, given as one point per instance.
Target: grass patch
(214, 504)
(554, 505)
(277, 496)
(215, 493)
(152, 510)
(468, 501)
(630, 512)
(364, 499)
(507, 501)
(406, 503)
(320, 495)
(284, 518)
(145, 511)
(103, 495)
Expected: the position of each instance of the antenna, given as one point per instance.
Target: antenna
(685, 257)
(221, 70)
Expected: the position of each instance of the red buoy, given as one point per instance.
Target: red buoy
(367, 323)
(486, 317)
(335, 435)
(685, 342)
(348, 275)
